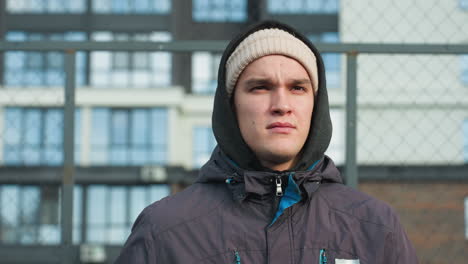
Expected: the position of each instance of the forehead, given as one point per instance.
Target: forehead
(275, 65)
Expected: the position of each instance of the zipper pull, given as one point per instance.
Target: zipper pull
(279, 189)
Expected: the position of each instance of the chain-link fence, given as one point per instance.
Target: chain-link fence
(412, 118)
(397, 74)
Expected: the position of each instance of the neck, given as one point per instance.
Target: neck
(279, 166)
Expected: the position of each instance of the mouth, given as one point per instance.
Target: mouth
(281, 127)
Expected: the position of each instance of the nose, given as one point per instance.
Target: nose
(280, 104)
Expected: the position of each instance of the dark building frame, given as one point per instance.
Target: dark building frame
(178, 22)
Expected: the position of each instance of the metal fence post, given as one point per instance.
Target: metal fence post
(68, 158)
(351, 171)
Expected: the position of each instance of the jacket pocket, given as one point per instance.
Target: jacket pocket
(327, 256)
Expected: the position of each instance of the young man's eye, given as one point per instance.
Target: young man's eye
(298, 88)
(260, 87)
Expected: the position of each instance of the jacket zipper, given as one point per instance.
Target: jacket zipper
(323, 257)
(279, 188)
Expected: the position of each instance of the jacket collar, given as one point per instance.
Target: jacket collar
(245, 183)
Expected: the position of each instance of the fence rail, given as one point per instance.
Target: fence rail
(352, 170)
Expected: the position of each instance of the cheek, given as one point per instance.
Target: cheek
(307, 108)
(246, 115)
(248, 119)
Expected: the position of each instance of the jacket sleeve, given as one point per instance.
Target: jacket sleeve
(402, 251)
(140, 247)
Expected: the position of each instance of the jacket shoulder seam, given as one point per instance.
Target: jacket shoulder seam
(169, 228)
(354, 216)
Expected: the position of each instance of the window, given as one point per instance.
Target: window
(203, 144)
(332, 61)
(32, 69)
(205, 72)
(46, 6)
(302, 6)
(113, 209)
(463, 4)
(464, 69)
(34, 136)
(30, 214)
(465, 136)
(131, 6)
(219, 10)
(129, 136)
(131, 69)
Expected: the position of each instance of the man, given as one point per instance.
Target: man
(268, 193)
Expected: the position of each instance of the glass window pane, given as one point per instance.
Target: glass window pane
(137, 202)
(13, 126)
(9, 205)
(15, 36)
(33, 124)
(119, 127)
(117, 235)
(203, 145)
(159, 126)
(97, 202)
(41, 68)
(55, 60)
(141, 60)
(219, 11)
(302, 6)
(118, 155)
(100, 127)
(53, 128)
(157, 192)
(142, 6)
(120, 6)
(140, 135)
(96, 234)
(77, 213)
(120, 60)
(30, 204)
(49, 234)
(46, 6)
(118, 205)
(35, 60)
(204, 72)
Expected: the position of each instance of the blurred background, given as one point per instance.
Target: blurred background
(105, 107)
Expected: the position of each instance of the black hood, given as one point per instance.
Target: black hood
(224, 121)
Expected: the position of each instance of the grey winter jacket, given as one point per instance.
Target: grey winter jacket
(242, 213)
(227, 217)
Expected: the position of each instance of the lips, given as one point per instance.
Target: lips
(281, 127)
(281, 124)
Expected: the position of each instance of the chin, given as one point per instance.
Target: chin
(279, 155)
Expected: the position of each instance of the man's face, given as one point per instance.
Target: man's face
(274, 101)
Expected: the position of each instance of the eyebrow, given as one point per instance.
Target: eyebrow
(266, 81)
(302, 81)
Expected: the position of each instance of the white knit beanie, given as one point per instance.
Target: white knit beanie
(268, 42)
